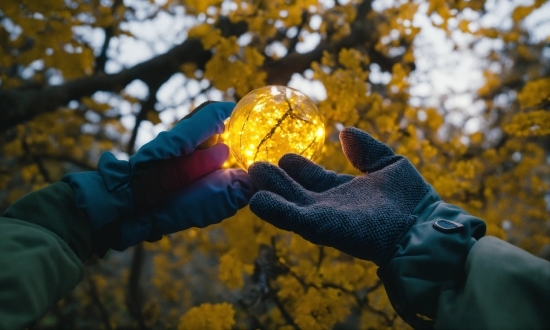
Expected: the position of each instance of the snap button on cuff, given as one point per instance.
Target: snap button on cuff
(447, 226)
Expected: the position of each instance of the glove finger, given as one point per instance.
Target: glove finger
(186, 135)
(166, 178)
(194, 111)
(310, 175)
(277, 211)
(206, 201)
(289, 216)
(271, 178)
(201, 162)
(364, 152)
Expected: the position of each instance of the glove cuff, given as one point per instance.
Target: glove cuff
(114, 223)
(105, 196)
(429, 257)
(101, 205)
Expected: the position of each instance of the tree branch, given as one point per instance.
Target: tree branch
(21, 105)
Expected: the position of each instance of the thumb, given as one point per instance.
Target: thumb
(364, 152)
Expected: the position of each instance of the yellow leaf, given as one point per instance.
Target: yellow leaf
(153, 117)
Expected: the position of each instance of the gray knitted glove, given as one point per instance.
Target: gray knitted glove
(363, 216)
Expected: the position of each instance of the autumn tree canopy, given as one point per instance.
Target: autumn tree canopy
(68, 86)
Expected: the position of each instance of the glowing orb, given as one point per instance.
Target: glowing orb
(272, 121)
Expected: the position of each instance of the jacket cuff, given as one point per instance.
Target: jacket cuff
(54, 209)
(429, 258)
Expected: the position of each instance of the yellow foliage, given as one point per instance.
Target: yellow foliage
(13, 148)
(209, 36)
(463, 25)
(94, 105)
(345, 87)
(208, 317)
(290, 288)
(153, 117)
(521, 12)
(534, 93)
(535, 123)
(232, 270)
(440, 7)
(321, 308)
(433, 119)
(200, 6)
(227, 69)
(28, 172)
(492, 81)
(399, 79)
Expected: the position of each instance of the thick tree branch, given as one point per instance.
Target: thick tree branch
(21, 105)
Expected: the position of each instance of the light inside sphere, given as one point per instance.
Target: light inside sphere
(272, 121)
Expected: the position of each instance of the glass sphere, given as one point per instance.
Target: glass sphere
(272, 121)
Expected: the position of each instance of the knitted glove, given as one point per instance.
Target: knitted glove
(165, 187)
(363, 216)
(390, 215)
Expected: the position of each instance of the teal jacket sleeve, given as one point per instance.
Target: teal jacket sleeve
(44, 239)
(458, 279)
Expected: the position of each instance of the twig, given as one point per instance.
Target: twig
(274, 128)
(273, 294)
(41, 168)
(296, 38)
(109, 31)
(97, 301)
(321, 256)
(288, 318)
(133, 298)
(146, 106)
(43, 171)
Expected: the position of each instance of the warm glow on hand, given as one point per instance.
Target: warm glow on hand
(272, 121)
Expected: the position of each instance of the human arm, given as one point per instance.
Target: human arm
(504, 287)
(482, 283)
(47, 235)
(44, 239)
(422, 245)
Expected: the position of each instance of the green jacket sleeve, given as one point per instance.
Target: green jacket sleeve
(504, 287)
(459, 279)
(44, 239)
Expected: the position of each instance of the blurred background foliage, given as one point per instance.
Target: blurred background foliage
(79, 77)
